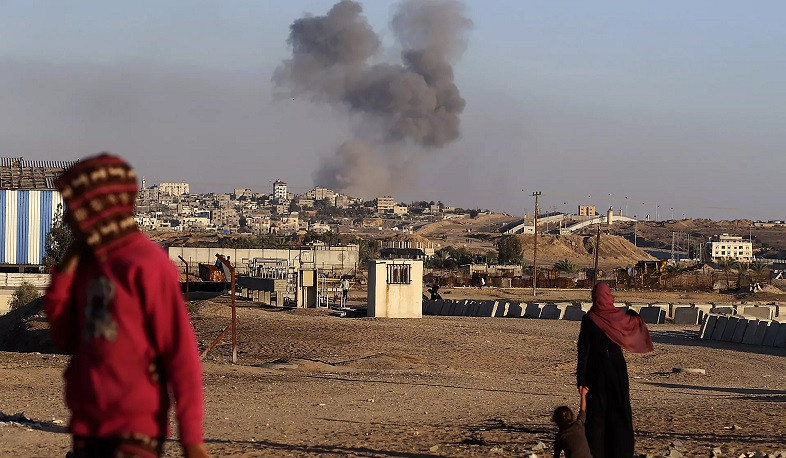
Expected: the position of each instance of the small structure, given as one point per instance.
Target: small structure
(395, 288)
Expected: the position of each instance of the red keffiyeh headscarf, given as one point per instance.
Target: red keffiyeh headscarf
(626, 330)
(99, 193)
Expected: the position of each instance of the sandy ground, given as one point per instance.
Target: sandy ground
(310, 384)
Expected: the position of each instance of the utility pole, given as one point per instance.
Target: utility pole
(597, 250)
(535, 249)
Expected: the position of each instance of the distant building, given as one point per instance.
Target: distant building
(732, 247)
(342, 201)
(28, 205)
(279, 190)
(587, 210)
(242, 192)
(385, 204)
(321, 194)
(400, 210)
(174, 189)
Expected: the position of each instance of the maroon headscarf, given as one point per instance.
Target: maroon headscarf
(626, 330)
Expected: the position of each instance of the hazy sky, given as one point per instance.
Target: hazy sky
(677, 103)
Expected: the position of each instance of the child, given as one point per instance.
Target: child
(115, 305)
(570, 437)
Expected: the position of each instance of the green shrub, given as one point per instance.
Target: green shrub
(23, 295)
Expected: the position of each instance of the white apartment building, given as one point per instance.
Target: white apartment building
(732, 247)
(174, 189)
(279, 190)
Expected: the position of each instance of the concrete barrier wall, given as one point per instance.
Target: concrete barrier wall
(730, 326)
(743, 329)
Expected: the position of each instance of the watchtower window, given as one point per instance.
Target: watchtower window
(398, 274)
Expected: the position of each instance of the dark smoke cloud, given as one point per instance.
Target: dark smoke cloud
(415, 102)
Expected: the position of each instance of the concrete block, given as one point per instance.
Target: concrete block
(780, 338)
(515, 310)
(620, 305)
(708, 326)
(731, 326)
(533, 309)
(762, 312)
(636, 307)
(754, 335)
(573, 313)
(704, 310)
(720, 327)
(724, 309)
(664, 306)
(502, 309)
(585, 306)
(653, 315)
(485, 309)
(761, 331)
(750, 332)
(686, 315)
(551, 312)
(673, 309)
(771, 333)
(740, 328)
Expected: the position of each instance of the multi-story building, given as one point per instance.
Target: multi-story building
(279, 190)
(342, 201)
(587, 210)
(385, 204)
(731, 247)
(174, 189)
(321, 194)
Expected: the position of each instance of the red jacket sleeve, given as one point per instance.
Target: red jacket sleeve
(176, 344)
(61, 311)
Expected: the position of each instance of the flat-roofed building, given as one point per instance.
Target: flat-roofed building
(731, 247)
(385, 204)
(174, 189)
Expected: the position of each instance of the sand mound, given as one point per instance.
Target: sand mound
(26, 330)
(614, 251)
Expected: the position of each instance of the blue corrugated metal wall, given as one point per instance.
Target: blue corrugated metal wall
(25, 220)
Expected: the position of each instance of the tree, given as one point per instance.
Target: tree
(23, 295)
(726, 265)
(567, 266)
(367, 249)
(759, 269)
(674, 269)
(743, 270)
(57, 241)
(510, 250)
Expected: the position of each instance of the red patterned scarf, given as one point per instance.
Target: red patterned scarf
(99, 194)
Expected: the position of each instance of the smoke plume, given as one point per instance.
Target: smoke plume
(406, 106)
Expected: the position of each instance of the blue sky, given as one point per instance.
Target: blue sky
(679, 104)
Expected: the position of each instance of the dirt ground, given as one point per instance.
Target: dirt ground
(311, 384)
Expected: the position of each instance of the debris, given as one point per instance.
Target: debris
(434, 448)
(688, 370)
(539, 446)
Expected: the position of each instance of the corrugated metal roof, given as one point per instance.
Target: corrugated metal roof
(18, 173)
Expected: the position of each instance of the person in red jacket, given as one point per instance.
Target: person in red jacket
(115, 305)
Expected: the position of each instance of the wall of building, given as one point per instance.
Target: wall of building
(395, 300)
(342, 259)
(25, 220)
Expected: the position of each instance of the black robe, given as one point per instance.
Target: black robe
(601, 367)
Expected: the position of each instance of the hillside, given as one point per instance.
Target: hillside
(614, 251)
